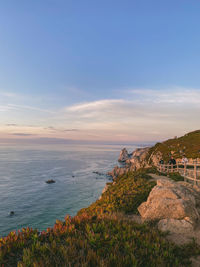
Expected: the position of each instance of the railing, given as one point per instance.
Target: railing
(190, 171)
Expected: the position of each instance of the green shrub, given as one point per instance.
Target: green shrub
(176, 176)
(188, 145)
(125, 195)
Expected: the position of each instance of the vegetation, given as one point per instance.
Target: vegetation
(91, 241)
(98, 236)
(176, 176)
(125, 195)
(188, 145)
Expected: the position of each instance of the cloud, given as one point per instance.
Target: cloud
(177, 95)
(11, 124)
(23, 134)
(138, 114)
(144, 114)
(26, 107)
(51, 128)
(8, 94)
(6, 108)
(105, 103)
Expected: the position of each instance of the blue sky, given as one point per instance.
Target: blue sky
(99, 70)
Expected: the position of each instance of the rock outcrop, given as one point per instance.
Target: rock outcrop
(138, 159)
(174, 204)
(132, 162)
(123, 155)
(118, 171)
(51, 181)
(175, 226)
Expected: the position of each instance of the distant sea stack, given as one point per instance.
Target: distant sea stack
(131, 162)
(123, 155)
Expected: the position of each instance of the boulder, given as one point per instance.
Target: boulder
(170, 200)
(51, 181)
(175, 226)
(138, 159)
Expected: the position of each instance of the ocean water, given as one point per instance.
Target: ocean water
(24, 170)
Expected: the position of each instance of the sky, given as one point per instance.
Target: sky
(100, 71)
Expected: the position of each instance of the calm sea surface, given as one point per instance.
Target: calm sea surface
(24, 170)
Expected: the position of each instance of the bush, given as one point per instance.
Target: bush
(176, 176)
(91, 241)
(125, 195)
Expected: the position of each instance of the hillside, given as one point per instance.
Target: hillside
(188, 145)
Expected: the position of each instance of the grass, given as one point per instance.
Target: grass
(91, 241)
(188, 145)
(176, 177)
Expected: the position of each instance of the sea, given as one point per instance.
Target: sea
(79, 172)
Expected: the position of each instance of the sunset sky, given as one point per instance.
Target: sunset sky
(109, 70)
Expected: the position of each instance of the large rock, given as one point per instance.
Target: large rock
(132, 162)
(170, 200)
(118, 171)
(155, 158)
(175, 226)
(123, 155)
(138, 159)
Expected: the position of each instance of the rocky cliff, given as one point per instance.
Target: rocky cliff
(135, 161)
(176, 205)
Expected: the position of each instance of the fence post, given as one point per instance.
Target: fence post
(167, 168)
(195, 173)
(177, 166)
(184, 173)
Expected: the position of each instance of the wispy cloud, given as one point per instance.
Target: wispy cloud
(138, 114)
(54, 129)
(23, 134)
(94, 105)
(144, 114)
(170, 95)
(26, 107)
(8, 94)
(11, 124)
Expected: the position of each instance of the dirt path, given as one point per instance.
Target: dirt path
(156, 177)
